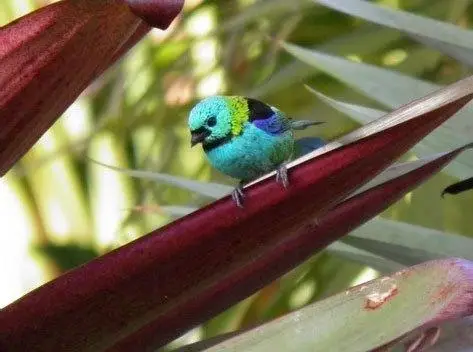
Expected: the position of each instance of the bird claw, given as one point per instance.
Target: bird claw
(238, 196)
(281, 175)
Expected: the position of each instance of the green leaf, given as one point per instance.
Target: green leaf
(395, 171)
(388, 87)
(368, 39)
(372, 81)
(68, 256)
(208, 189)
(370, 315)
(457, 52)
(364, 257)
(178, 211)
(408, 244)
(364, 40)
(403, 21)
(362, 114)
(460, 167)
(260, 10)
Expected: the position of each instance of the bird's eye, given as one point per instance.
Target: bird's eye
(211, 121)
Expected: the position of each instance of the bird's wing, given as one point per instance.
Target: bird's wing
(267, 118)
(274, 125)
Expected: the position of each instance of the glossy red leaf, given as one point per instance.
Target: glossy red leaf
(48, 57)
(180, 275)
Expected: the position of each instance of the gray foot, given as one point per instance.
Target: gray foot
(238, 196)
(281, 175)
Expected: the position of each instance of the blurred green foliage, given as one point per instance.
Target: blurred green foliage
(134, 116)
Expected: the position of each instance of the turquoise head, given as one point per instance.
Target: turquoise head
(217, 119)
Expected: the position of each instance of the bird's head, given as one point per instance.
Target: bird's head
(216, 119)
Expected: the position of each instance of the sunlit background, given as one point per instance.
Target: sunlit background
(58, 209)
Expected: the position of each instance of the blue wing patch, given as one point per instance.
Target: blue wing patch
(273, 125)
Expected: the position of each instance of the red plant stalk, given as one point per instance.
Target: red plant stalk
(48, 57)
(178, 276)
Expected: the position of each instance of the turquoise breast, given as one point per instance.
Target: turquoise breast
(252, 153)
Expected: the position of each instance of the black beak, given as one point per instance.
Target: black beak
(198, 136)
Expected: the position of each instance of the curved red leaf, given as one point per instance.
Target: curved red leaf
(48, 57)
(176, 274)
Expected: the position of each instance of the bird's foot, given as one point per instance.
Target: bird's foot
(281, 175)
(238, 196)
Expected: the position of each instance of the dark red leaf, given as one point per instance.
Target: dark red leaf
(180, 275)
(48, 57)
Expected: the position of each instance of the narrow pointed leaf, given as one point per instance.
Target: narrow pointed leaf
(459, 53)
(369, 79)
(178, 211)
(361, 256)
(403, 21)
(409, 244)
(48, 57)
(355, 41)
(362, 114)
(372, 80)
(218, 190)
(148, 292)
(429, 145)
(397, 170)
(208, 189)
(262, 9)
(371, 315)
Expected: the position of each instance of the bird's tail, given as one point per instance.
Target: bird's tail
(303, 124)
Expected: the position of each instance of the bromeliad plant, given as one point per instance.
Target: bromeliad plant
(145, 294)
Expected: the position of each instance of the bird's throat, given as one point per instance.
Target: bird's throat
(208, 146)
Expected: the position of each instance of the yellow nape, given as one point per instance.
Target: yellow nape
(239, 112)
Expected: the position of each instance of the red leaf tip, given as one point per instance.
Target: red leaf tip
(157, 13)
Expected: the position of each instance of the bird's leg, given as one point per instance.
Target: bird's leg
(281, 175)
(237, 194)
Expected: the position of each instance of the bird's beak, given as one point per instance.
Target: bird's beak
(198, 136)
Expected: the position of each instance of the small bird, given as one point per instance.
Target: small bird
(245, 138)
